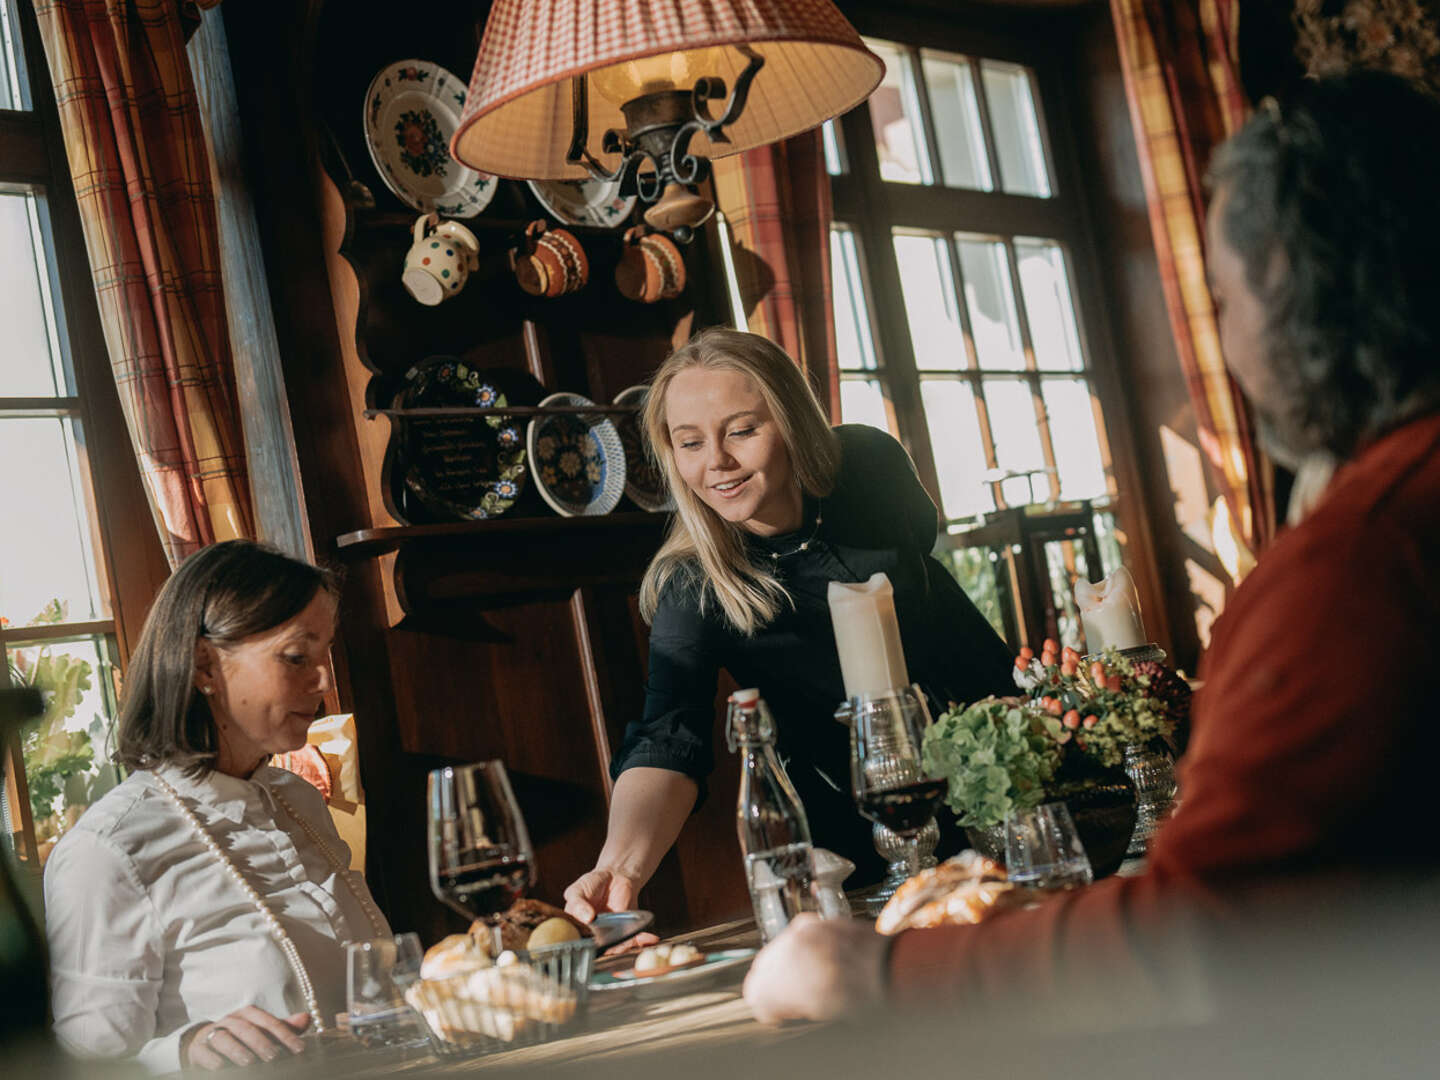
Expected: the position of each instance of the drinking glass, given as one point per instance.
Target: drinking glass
(377, 972)
(887, 771)
(481, 860)
(1043, 850)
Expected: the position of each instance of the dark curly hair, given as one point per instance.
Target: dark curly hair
(1339, 183)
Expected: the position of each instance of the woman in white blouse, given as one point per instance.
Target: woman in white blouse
(196, 914)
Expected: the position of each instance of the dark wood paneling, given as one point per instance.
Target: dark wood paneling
(521, 643)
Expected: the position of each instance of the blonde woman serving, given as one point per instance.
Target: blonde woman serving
(773, 505)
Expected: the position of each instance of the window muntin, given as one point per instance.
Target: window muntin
(1010, 94)
(14, 85)
(959, 133)
(34, 363)
(895, 117)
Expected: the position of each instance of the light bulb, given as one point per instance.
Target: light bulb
(626, 81)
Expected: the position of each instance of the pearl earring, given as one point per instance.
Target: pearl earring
(207, 690)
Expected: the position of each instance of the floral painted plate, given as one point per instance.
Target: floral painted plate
(644, 482)
(584, 202)
(577, 458)
(465, 467)
(411, 110)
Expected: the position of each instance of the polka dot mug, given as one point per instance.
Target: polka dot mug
(440, 260)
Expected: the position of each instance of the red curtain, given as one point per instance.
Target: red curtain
(776, 199)
(1185, 99)
(139, 161)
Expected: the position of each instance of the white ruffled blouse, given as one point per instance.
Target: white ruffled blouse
(149, 936)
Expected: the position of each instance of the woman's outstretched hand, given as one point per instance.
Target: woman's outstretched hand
(606, 890)
(244, 1037)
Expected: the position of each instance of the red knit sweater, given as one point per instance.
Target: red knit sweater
(1314, 743)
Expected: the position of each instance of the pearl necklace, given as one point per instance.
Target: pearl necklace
(272, 922)
(776, 556)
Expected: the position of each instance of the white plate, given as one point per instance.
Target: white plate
(584, 202)
(411, 110)
(714, 962)
(644, 482)
(576, 460)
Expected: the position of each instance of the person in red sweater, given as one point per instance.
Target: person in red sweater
(1314, 736)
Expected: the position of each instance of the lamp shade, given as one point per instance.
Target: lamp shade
(518, 112)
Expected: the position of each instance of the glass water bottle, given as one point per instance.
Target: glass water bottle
(774, 833)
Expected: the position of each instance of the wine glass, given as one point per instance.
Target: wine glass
(887, 771)
(481, 860)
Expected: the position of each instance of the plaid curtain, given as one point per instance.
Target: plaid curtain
(776, 199)
(138, 157)
(1185, 99)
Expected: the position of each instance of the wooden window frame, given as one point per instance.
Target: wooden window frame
(874, 209)
(123, 531)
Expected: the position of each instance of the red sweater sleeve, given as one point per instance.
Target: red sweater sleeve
(1310, 733)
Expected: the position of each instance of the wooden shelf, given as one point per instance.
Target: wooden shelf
(369, 543)
(438, 413)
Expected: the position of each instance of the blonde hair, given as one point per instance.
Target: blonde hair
(700, 539)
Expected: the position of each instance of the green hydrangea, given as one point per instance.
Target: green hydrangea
(998, 754)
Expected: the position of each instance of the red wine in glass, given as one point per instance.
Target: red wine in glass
(482, 890)
(904, 809)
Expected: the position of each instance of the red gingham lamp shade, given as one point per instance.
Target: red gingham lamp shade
(518, 113)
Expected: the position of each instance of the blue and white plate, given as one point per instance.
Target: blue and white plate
(576, 459)
(644, 482)
(411, 110)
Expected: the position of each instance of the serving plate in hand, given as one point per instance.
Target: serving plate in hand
(712, 964)
(411, 110)
(613, 927)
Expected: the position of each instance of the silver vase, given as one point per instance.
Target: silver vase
(1153, 774)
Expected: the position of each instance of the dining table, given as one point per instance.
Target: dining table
(675, 1017)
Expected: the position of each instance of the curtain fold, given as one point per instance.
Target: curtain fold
(776, 199)
(1178, 58)
(138, 159)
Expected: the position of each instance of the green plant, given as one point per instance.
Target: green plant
(997, 754)
(56, 759)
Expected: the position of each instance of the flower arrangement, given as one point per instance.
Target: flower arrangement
(998, 755)
(1105, 705)
(1067, 733)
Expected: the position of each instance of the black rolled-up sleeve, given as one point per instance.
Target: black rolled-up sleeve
(674, 731)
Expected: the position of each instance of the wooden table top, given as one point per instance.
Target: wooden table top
(620, 1023)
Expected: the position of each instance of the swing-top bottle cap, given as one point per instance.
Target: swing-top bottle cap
(745, 697)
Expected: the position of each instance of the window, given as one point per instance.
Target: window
(63, 444)
(960, 326)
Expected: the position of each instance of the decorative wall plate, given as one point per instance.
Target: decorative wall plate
(577, 459)
(644, 482)
(584, 202)
(411, 110)
(465, 467)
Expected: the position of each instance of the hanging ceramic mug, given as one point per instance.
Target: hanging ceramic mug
(651, 268)
(439, 260)
(550, 262)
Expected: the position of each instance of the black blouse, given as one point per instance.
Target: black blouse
(878, 518)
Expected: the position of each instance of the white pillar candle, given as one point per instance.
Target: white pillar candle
(867, 636)
(1110, 612)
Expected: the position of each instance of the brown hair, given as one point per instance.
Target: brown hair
(699, 538)
(222, 594)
